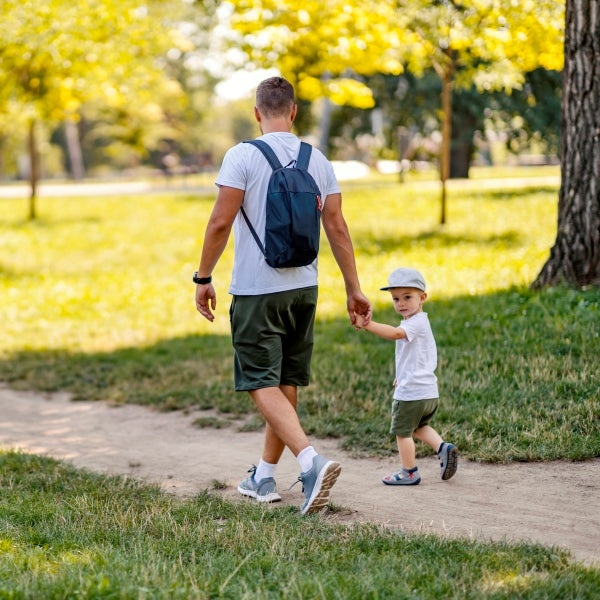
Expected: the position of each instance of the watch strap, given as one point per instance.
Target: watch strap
(201, 280)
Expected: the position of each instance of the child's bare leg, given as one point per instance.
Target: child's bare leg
(430, 436)
(406, 449)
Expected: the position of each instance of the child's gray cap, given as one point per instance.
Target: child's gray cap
(405, 278)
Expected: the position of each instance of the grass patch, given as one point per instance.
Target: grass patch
(69, 533)
(517, 373)
(99, 302)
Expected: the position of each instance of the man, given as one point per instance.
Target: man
(273, 310)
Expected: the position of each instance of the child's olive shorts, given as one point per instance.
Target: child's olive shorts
(272, 336)
(410, 415)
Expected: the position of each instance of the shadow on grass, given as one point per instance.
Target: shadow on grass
(375, 244)
(179, 373)
(517, 373)
(509, 194)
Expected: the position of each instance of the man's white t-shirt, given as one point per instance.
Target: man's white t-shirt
(416, 360)
(245, 168)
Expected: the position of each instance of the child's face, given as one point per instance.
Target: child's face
(408, 301)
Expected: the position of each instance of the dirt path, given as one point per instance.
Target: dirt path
(553, 503)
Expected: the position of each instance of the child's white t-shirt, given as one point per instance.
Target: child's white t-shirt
(245, 168)
(416, 360)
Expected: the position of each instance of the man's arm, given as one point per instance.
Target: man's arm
(338, 236)
(217, 233)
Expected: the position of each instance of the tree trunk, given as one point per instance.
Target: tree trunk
(575, 257)
(74, 149)
(34, 169)
(461, 152)
(325, 124)
(2, 140)
(467, 118)
(446, 135)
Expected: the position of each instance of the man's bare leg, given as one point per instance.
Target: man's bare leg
(284, 429)
(278, 407)
(274, 447)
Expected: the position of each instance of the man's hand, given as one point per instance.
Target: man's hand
(206, 300)
(358, 305)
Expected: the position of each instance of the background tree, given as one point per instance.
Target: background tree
(488, 44)
(575, 256)
(323, 48)
(405, 119)
(54, 57)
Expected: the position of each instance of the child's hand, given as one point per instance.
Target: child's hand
(359, 323)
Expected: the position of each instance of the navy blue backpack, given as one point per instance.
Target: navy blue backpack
(293, 223)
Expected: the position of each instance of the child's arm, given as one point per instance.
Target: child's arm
(387, 332)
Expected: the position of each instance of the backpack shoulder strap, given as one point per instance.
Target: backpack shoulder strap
(304, 156)
(267, 152)
(253, 232)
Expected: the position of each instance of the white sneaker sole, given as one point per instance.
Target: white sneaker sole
(272, 497)
(320, 494)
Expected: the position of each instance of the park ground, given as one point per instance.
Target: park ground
(555, 503)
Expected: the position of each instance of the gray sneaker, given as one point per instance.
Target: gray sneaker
(317, 483)
(448, 456)
(264, 490)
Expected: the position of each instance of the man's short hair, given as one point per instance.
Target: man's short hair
(275, 97)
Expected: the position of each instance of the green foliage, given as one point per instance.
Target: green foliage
(100, 303)
(68, 533)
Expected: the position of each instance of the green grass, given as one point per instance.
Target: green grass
(97, 299)
(67, 533)
(99, 302)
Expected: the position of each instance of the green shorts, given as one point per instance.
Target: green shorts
(272, 336)
(410, 415)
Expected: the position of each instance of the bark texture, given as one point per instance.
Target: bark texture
(575, 256)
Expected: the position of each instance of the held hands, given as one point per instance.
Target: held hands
(359, 307)
(360, 322)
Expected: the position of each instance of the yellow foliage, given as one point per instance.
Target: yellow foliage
(58, 54)
(313, 40)
(346, 91)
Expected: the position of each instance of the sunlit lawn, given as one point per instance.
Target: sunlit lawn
(98, 300)
(103, 273)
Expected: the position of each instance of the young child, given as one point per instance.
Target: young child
(416, 392)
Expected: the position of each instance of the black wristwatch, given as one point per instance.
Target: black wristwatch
(201, 280)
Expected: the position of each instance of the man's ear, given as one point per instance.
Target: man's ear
(257, 114)
(294, 113)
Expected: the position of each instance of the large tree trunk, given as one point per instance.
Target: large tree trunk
(575, 257)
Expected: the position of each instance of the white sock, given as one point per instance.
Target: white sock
(305, 458)
(264, 470)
